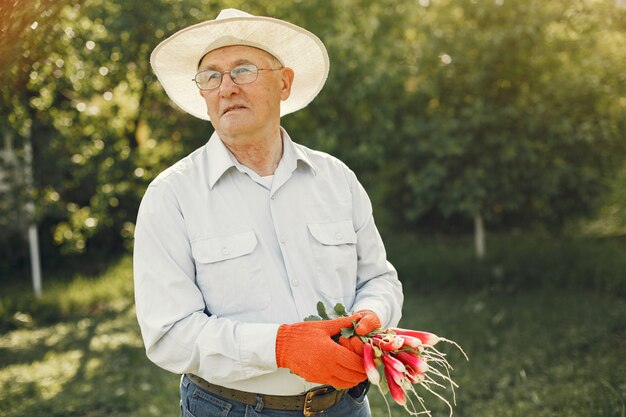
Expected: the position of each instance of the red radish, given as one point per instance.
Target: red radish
(388, 342)
(391, 362)
(397, 393)
(407, 357)
(368, 362)
(411, 341)
(416, 363)
(428, 339)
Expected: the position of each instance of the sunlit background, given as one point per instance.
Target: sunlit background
(489, 134)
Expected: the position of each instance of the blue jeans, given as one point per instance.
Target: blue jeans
(196, 402)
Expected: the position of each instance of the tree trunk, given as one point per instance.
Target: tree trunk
(479, 236)
(33, 240)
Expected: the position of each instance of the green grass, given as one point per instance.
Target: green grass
(512, 263)
(540, 351)
(536, 353)
(77, 351)
(68, 296)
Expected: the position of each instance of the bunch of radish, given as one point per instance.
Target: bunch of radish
(407, 359)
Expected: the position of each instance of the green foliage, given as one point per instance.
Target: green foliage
(506, 120)
(339, 310)
(321, 310)
(95, 115)
(510, 110)
(611, 218)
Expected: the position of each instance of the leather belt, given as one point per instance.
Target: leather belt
(314, 401)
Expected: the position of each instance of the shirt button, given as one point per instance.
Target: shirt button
(295, 282)
(338, 236)
(282, 239)
(225, 251)
(273, 197)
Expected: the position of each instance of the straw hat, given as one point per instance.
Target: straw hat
(175, 60)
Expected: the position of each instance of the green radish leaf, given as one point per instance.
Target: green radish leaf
(340, 310)
(375, 332)
(321, 310)
(312, 318)
(347, 332)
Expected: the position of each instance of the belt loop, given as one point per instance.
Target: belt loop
(258, 407)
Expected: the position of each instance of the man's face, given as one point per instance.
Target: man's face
(250, 108)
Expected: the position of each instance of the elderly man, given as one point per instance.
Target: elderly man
(236, 243)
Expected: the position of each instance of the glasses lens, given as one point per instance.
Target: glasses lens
(207, 80)
(244, 74)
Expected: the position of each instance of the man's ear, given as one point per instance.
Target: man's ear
(287, 81)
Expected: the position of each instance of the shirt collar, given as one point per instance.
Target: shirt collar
(292, 153)
(220, 159)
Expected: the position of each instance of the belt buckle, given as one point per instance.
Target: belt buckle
(308, 399)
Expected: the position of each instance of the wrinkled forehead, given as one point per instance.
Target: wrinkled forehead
(236, 54)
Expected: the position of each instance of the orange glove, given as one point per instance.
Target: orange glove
(306, 348)
(367, 322)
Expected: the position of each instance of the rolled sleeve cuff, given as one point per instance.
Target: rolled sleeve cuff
(257, 347)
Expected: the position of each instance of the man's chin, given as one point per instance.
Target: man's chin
(232, 126)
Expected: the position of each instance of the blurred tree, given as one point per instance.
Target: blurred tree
(19, 30)
(515, 114)
(507, 113)
(85, 95)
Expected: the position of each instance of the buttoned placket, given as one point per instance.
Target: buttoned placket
(278, 211)
(274, 209)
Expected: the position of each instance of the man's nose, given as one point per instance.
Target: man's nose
(228, 86)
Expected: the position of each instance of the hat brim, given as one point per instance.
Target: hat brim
(175, 60)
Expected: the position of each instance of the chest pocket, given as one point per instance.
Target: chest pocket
(229, 272)
(334, 249)
(333, 234)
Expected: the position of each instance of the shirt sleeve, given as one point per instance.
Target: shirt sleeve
(178, 333)
(378, 288)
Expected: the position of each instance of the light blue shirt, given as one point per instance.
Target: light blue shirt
(222, 258)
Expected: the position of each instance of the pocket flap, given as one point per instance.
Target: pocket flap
(335, 233)
(221, 248)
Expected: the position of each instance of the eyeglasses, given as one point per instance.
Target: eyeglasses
(241, 74)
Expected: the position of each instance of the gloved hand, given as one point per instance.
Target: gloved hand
(367, 321)
(306, 348)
